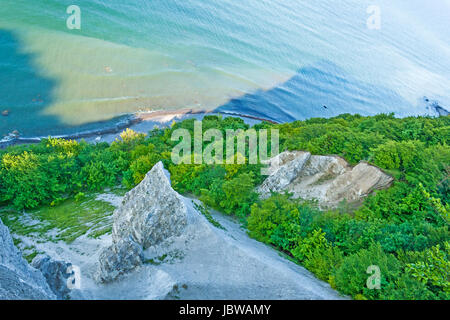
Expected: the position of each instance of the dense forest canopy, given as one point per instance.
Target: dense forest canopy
(403, 230)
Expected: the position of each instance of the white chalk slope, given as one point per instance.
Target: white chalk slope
(197, 260)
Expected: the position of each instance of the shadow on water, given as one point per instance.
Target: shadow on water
(24, 91)
(320, 90)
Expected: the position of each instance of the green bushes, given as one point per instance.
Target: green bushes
(99, 171)
(143, 158)
(324, 262)
(307, 246)
(217, 186)
(351, 277)
(26, 182)
(403, 155)
(431, 267)
(339, 248)
(239, 194)
(56, 169)
(273, 221)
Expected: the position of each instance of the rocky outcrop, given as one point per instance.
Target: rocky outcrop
(327, 179)
(56, 273)
(435, 108)
(120, 258)
(18, 280)
(150, 213)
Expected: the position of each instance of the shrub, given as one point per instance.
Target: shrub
(324, 262)
(351, 276)
(432, 267)
(273, 220)
(306, 247)
(239, 194)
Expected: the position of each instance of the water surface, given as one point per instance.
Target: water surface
(277, 59)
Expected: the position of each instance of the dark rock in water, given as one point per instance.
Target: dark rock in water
(56, 273)
(441, 111)
(18, 280)
(435, 107)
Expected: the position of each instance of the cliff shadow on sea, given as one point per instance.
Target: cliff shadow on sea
(25, 91)
(320, 90)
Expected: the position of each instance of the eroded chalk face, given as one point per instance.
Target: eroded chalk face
(149, 214)
(18, 280)
(327, 179)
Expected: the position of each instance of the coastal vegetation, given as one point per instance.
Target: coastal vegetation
(402, 230)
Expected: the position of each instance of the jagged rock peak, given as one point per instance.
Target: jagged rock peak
(327, 179)
(149, 214)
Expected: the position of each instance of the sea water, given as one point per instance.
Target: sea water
(275, 59)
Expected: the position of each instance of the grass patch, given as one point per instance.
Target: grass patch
(32, 255)
(169, 257)
(119, 191)
(64, 222)
(208, 215)
(157, 261)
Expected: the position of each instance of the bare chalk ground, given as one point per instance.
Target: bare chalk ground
(204, 263)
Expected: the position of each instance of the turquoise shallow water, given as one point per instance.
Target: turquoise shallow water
(278, 59)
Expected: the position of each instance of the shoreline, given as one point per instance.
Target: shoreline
(139, 120)
(145, 121)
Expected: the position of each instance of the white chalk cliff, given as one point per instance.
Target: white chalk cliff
(327, 179)
(150, 213)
